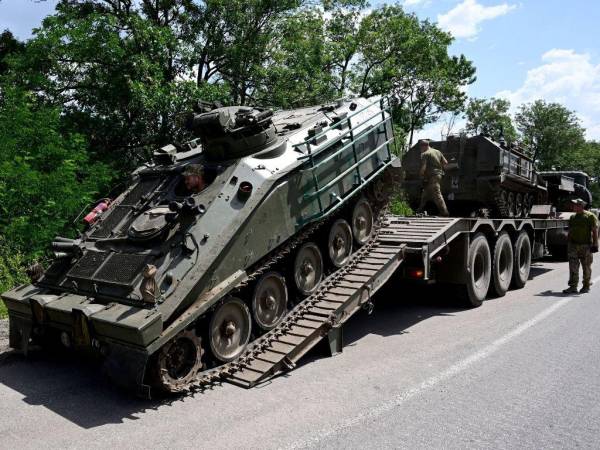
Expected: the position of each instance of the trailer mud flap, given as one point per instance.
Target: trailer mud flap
(126, 367)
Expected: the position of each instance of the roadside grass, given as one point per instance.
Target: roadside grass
(399, 205)
(3, 312)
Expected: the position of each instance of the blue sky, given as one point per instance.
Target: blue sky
(523, 50)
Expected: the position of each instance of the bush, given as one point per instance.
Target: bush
(399, 205)
(12, 271)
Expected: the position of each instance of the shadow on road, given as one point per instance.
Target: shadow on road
(70, 387)
(537, 270)
(398, 307)
(78, 391)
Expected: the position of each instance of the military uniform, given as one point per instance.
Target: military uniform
(434, 171)
(580, 247)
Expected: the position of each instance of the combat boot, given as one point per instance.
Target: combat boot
(570, 290)
(584, 290)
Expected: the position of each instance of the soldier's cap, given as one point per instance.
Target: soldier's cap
(578, 201)
(193, 169)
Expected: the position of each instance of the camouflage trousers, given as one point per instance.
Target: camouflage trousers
(433, 193)
(580, 254)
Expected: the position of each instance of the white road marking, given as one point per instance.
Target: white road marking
(457, 368)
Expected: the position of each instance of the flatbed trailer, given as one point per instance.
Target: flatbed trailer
(480, 257)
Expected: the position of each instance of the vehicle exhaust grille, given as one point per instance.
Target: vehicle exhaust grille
(121, 268)
(88, 264)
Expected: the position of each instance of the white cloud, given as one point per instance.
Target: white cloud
(463, 20)
(414, 2)
(566, 77)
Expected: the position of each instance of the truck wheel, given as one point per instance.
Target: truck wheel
(479, 271)
(502, 265)
(522, 260)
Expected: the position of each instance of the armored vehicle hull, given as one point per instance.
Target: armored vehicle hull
(172, 280)
(482, 177)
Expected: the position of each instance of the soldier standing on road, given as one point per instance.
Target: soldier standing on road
(433, 164)
(583, 242)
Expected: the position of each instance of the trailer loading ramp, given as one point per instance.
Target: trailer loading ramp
(338, 298)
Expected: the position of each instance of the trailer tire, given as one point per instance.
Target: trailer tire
(522, 260)
(479, 271)
(502, 265)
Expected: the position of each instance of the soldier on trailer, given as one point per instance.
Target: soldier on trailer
(433, 164)
(583, 242)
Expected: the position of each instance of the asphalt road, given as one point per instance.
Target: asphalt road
(519, 372)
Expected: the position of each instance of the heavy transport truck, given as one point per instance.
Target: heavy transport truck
(175, 290)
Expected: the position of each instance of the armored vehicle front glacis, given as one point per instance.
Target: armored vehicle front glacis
(481, 176)
(212, 242)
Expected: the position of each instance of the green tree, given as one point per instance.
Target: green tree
(8, 46)
(491, 117)
(409, 59)
(552, 131)
(46, 177)
(299, 71)
(118, 72)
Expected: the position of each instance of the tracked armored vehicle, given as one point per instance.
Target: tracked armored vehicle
(482, 177)
(564, 186)
(168, 282)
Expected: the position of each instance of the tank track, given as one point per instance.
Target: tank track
(207, 378)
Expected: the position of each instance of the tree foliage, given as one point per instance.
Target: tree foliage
(45, 176)
(551, 131)
(490, 117)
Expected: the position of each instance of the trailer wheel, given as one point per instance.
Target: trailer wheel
(479, 271)
(522, 260)
(502, 265)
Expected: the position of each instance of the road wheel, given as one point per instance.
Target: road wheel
(269, 301)
(528, 200)
(522, 260)
(179, 361)
(339, 243)
(510, 204)
(519, 205)
(479, 271)
(502, 264)
(229, 329)
(362, 221)
(308, 268)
